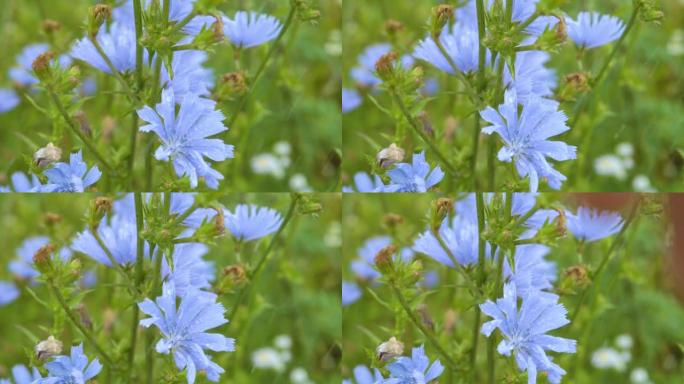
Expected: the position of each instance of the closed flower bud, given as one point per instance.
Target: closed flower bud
(219, 222)
(392, 27)
(99, 14)
(41, 65)
(217, 29)
(441, 208)
(235, 274)
(51, 219)
(383, 259)
(577, 276)
(441, 15)
(41, 259)
(389, 156)
(385, 65)
(392, 220)
(50, 26)
(389, 349)
(99, 207)
(233, 83)
(47, 155)
(48, 348)
(561, 30)
(561, 223)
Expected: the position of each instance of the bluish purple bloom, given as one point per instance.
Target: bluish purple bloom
(184, 136)
(184, 329)
(179, 10)
(71, 177)
(74, 369)
(364, 267)
(531, 78)
(460, 235)
(251, 222)
(8, 99)
(181, 203)
(23, 266)
(592, 225)
(22, 183)
(364, 74)
(22, 74)
(524, 331)
(413, 370)
(531, 274)
(363, 375)
(525, 135)
(430, 279)
(189, 76)
(190, 271)
(118, 43)
(414, 177)
(351, 99)
(22, 375)
(462, 44)
(250, 29)
(431, 87)
(350, 293)
(592, 29)
(8, 292)
(364, 183)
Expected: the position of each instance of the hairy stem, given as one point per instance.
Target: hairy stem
(479, 201)
(140, 254)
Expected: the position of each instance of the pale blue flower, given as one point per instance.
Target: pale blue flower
(73, 369)
(524, 331)
(363, 375)
(430, 279)
(532, 274)
(251, 222)
(365, 183)
(364, 266)
(23, 266)
(181, 203)
(190, 271)
(184, 136)
(189, 75)
(525, 135)
(592, 225)
(183, 330)
(71, 177)
(592, 29)
(22, 73)
(250, 29)
(460, 41)
(8, 99)
(459, 234)
(351, 99)
(413, 370)
(531, 78)
(8, 292)
(350, 293)
(22, 375)
(20, 182)
(118, 43)
(414, 177)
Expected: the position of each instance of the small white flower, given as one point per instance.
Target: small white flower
(610, 165)
(268, 358)
(639, 376)
(268, 164)
(625, 149)
(675, 46)
(286, 356)
(283, 342)
(641, 183)
(609, 358)
(333, 238)
(299, 183)
(624, 341)
(299, 376)
(282, 148)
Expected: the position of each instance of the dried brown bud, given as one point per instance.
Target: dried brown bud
(389, 156)
(41, 65)
(50, 26)
(561, 30)
(103, 205)
(235, 82)
(41, 258)
(393, 26)
(236, 273)
(392, 220)
(219, 222)
(442, 14)
(450, 319)
(83, 314)
(48, 348)
(47, 155)
(217, 29)
(578, 275)
(99, 14)
(383, 259)
(52, 218)
(389, 349)
(385, 65)
(561, 223)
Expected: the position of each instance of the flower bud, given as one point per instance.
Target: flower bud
(41, 65)
(441, 15)
(441, 208)
(99, 207)
(425, 316)
(99, 14)
(392, 27)
(561, 30)
(48, 348)
(392, 220)
(389, 349)
(47, 155)
(385, 65)
(41, 259)
(51, 219)
(50, 26)
(389, 156)
(219, 222)
(561, 223)
(383, 259)
(235, 274)
(233, 83)
(217, 29)
(577, 276)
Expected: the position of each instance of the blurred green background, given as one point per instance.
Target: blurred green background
(297, 294)
(296, 100)
(640, 102)
(635, 297)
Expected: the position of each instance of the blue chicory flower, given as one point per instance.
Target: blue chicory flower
(460, 235)
(462, 44)
(71, 177)
(364, 183)
(592, 225)
(251, 222)
(525, 135)
(592, 29)
(8, 292)
(183, 330)
(414, 177)
(250, 29)
(351, 99)
(8, 99)
(184, 135)
(364, 74)
(74, 369)
(189, 76)
(22, 183)
(23, 266)
(22, 74)
(524, 331)
(363, 375)
(413, 370)
(364, 267)
(118, 43)
(531, 274)
(531, 78)
(190, 272)
(22, 375)
(351, 293)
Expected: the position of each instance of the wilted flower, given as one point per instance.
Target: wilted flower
(592, 225)
(251, 222)
(592, 29)
(389, 156)
(250, 29)
(48, 348)
(389, 349)
(71, 177)
(363, 267)
(71, 369)
(47, 155)
(23, 74)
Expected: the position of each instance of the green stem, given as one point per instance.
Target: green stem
(140, 254)
(115, 264)
(86, 333)
(479, 201)
(479, 5)
(433, 147)
(129, 92)
(137, 10)
(491, 144)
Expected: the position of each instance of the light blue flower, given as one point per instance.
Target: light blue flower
(364, 183)
(184, 136)
(183, 330)
(460, 41)
(524, 331)
(363, 375)
(414, 177)
(364, 267)
(413, 370)
(180, 204)
(8, 99)
(364, 74)
(189, 76)
(8, 292)
(22, 183)
(592, 225)
(22, 74)
(22, 375)
(351, 99)
(532, 274)
(190, 272)
(525, 135)
(460, 235)
(250, 29)
(350, 293)
(23, 266)
(592, 29)
(531, 78)
(73, 369)
(251, 222)
(118, 43)
(71, 177)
